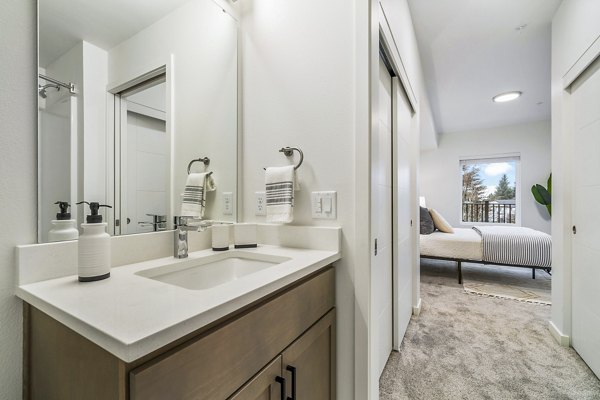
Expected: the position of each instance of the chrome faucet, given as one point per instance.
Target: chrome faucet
(182, 227)
(158, 223)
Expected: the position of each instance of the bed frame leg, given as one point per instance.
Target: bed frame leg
(533, 273)
(460, 280)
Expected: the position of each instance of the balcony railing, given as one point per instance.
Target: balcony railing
(491, 212)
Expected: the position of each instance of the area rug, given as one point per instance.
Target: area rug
(511, 283)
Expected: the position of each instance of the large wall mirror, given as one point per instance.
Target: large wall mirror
(137, 99)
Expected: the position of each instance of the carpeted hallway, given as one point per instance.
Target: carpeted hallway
(465, 346)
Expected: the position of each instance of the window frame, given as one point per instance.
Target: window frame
(488, 159)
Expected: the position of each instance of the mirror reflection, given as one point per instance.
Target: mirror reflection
(127, 103)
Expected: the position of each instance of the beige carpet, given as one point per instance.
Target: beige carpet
(464, 346)
(507, 283)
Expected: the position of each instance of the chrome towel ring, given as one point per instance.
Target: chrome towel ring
(289, 151)
(204, 160)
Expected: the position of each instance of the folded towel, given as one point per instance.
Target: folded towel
(194, 195)
(280, 184)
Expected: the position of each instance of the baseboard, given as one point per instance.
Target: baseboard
(417, 309)
(560, 338)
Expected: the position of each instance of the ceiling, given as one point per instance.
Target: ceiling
(104, 23)
(471, 50)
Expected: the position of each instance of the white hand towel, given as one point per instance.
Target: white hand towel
(280, 184)
(194, 195)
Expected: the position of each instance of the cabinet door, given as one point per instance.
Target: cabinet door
(265, 385)
(309, 363)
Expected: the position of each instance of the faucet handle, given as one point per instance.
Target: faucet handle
(185, 220)
(157, 218)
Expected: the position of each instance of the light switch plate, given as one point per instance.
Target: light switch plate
(323, 205)
(227, 203)
(261, 203)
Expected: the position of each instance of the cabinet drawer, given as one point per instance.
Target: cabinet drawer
(219, 362)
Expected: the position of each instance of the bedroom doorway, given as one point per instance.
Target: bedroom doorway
(391, 259)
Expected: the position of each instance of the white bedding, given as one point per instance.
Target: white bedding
(464, 243)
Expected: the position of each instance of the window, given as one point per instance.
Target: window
(489, 190)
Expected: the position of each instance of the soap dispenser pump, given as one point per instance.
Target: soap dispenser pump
(94, 246)
(63, 227)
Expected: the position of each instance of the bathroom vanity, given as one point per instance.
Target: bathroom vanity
(242, 324)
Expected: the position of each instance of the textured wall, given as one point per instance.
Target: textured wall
(18, 192)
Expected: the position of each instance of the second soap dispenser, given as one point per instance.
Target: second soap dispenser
(63, 227)
(93, 247)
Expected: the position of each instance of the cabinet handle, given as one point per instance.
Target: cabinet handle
(281, 381)
(293, 371)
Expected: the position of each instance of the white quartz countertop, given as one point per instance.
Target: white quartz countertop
(130, 315)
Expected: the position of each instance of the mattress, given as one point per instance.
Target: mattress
(464, 244)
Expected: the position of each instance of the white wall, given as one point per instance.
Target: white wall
(574, 28)
(306, 68)
(441, 173)
(18, 205)
(298, 90)
(203, 42)
(95, 79)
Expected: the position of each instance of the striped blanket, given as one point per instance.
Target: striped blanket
(515, 246)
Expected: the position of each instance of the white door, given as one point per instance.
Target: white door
(402, 228)
(144, 151)
(585, 106)
(147, 172)
(381, 221)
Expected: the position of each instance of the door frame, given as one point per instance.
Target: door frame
(145, 73)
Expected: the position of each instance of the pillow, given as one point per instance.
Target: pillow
(427, 226)
(440, 223)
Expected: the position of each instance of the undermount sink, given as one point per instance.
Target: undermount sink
(214, 270)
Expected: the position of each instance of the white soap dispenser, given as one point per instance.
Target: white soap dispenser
(63, 227)
(93, 247)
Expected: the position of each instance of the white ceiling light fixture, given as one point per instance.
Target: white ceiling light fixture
(508, 96)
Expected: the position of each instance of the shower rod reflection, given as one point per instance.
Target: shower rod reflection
(70, 85)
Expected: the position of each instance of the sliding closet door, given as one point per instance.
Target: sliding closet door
(381, 220)
(585, 106)
(402, 233)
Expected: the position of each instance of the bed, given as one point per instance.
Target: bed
(496, 245)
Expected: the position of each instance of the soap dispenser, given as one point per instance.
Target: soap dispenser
(94, 246)
(63, 227)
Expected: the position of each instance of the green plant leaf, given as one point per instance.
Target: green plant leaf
(549, 208)
(536, 194)
(550, 184)
(546, 198)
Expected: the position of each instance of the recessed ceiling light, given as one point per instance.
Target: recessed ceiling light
(504, 97)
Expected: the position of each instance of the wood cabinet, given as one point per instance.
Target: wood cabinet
(266, 385)
(309, 363)
(305, 370)
(285, 341)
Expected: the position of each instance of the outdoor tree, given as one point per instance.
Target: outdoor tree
(473, 187)
(504, 191)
